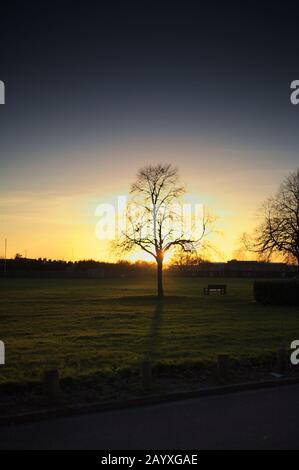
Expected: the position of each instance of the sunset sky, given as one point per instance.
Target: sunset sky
(94, 93)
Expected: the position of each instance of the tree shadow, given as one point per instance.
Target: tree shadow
(152, 346)
(148, 299)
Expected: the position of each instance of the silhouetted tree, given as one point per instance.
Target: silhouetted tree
(279, 230)
(153, 223)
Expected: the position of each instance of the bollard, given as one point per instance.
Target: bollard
(223, 366)
(51, 386)
(281, 357)
(146, 375)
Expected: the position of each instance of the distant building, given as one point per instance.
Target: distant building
(235, 268)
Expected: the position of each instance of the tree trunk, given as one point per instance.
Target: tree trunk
(160, 278)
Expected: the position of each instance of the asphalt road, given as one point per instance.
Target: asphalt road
(262, 419)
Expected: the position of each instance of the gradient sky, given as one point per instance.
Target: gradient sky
(94, 92)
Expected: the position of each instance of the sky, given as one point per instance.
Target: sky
(96, 90)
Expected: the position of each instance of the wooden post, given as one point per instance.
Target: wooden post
(51, 384)
(223, 366)
(146, 375)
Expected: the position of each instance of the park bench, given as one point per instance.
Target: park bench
(215, 288)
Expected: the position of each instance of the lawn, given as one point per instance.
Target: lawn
(87, 327)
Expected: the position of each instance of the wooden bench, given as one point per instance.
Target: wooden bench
(215, 288)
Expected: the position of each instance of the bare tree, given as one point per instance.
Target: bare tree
(278, 233)
(154, 223)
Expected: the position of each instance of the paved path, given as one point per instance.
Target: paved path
(263, 419)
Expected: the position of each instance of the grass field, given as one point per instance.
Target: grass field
(87, 327)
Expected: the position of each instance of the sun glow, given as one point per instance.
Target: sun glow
(143, 256)
(61, 223)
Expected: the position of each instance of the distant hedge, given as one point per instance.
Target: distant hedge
(277, 292)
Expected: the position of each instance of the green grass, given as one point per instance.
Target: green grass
(89, 327)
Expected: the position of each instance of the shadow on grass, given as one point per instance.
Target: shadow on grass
(152, 346)
(149, 300)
